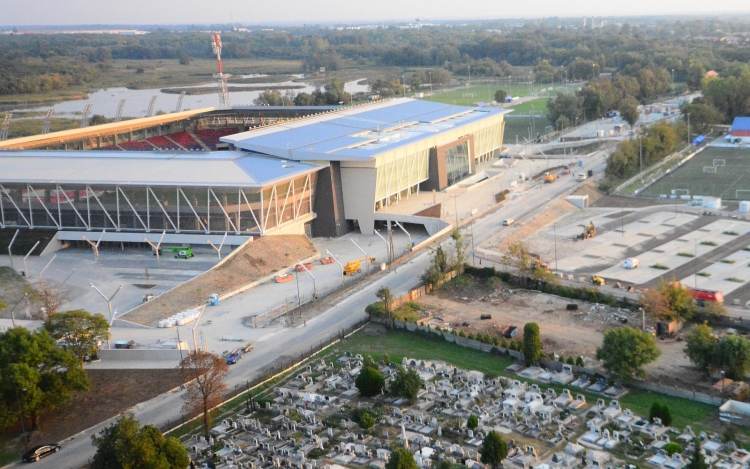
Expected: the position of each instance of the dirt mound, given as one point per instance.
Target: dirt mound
(255, 260)
(590, 190)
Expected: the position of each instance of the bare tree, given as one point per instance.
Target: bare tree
(519, 257)
(51, 297)
(205, 373)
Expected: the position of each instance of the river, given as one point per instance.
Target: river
(105, 101)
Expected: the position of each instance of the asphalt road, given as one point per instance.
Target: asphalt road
(290, 342)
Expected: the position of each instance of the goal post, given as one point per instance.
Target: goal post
(720, 162)
(709, 169)
(677, 192)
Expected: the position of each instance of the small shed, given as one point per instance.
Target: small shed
(711, 202)
(745, 206)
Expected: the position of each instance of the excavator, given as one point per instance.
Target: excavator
(588, 232)
(353, 267)
(549, 178)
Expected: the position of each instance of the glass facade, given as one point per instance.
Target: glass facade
(457, 163)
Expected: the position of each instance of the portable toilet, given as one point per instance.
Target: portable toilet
(213, 300)
(580, 163)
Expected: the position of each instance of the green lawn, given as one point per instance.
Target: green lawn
(482, 92)
(520, 126)
(729, 181)
(400, 344)
(539, 107)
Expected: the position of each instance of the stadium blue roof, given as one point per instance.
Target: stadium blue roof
(142, 168)
(360, 133)
(741, 123)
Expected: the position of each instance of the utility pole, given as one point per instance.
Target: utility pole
(554, 230)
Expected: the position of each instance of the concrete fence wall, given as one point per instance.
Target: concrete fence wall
(141, 354)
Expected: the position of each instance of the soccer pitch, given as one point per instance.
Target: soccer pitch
(716, 171)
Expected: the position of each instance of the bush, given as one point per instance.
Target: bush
(659, 266)
(504, 343)
(470, 336)
(472, 422)
(462, 334)
(561, 359)
(580, 362)
(708, 243)
(495, 342)
(570, 361)
(366, 421)
(685, 254)
(672, 447)
(486, 339)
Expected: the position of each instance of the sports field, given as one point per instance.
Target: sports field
(484, 92)
(716, 171)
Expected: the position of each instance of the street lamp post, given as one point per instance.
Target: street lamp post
(640, 153)
(23, 424)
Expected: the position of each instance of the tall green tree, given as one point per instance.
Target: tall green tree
(472, 422)
(532, 343)
(36, 374)
(80, 331)
(628, 108)
(733, 356)
(494, 449)
(370, 381)
(459, 244)
(401, 458)
(701, 346)
(127, 445)
(625, 351)
(697, 461)
(407, 384)
(384, 293)
(500, 96)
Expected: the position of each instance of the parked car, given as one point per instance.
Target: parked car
(38, 452)
(234, 357)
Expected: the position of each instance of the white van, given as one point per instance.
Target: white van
(581, 177)
(630, 263)
(508, 221)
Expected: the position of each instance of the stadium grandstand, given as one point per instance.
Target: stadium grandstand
(228, 174)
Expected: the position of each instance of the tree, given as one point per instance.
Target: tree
(472, 422)
(494, 449)
(369, 382)
(565, 108)
(625, 351)
(384, 293)
(532, 343)
(407, 384)
(518, 256)
(697, 461)
(701, 346)
(628, 108)
(80, 331)
(366, 421)
(500, 96)
(669, 301)
(126, 445)
(184, 58)
(702, 117)
(460, 245)
(36, 375)
(205, 373)
(695, 74)
(435, 273)
(654, 412)
(401, 458)
(672, 447)
(97, 119)
(733, 356)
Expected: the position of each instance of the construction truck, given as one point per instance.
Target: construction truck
(353, 267)
(549, 178)
(540, 263)
(596, 280)
(589, 231)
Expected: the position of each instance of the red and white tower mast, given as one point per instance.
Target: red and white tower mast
(221, 77)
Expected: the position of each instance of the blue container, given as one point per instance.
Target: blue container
(213, 300)
(580, 163)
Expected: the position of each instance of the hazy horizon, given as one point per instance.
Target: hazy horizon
(171, 12)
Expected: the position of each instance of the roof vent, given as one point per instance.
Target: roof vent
(287, 166)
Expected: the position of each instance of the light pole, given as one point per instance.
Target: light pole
(688, 129)
(23, 424)
(339, 263)
(109, 303)
(673, 80)
(640, 153)
(468, 83)
(554, 230)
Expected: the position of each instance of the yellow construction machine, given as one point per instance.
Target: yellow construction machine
(353, 267)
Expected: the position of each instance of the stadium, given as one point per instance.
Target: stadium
(223, 175)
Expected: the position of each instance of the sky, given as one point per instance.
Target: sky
(90, 12)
